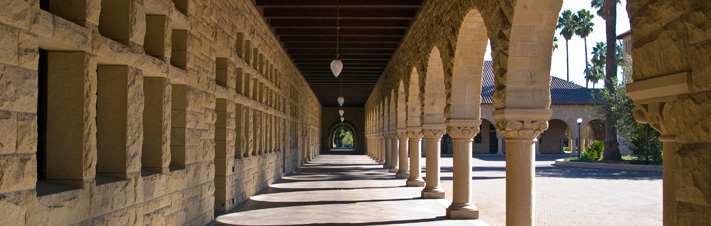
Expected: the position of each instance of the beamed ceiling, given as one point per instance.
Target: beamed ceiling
(370, 31)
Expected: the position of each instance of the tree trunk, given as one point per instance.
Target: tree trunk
(567, 61)
(612, 150)
(585, 40)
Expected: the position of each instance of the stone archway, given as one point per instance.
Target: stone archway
(332, 136)
(555, 139)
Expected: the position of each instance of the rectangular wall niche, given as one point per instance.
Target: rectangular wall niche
(179, 104)
(114, 20)
(71, 10)
(239, 123)
(60, 112)
(154, 41)
(239, 81)
(112, 120)
(221, 72)
(182, 6)
(179, 48)
(156, 124)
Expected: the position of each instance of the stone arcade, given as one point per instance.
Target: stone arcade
(161, 112)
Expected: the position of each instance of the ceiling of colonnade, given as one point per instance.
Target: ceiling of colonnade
(370, 32)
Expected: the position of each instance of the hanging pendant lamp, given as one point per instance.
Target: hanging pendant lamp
(337, 65)
(340, 112)
(342, 118)
(341, 100)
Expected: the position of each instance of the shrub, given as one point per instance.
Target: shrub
(594, 152)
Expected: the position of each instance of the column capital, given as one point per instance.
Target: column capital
(463, 128)
(401, 133)
(521, 123)
(659, 115)
(433, 130)
(414, 132)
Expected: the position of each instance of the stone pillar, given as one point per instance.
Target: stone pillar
(433, 135)
(393, 153)
(681, 183)
(386, 150)
(415, 137)
(403, 172)
(381, 148)
(461, 132)
(500, 139)
(521, 127)
(669, 177)
(538, 145)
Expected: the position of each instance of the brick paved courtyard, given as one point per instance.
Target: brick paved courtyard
(353, 190)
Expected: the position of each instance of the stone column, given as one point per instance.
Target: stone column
(538, 145)
(404, 171)
(461, 132)
(433, 135)
(415, 137)
(393, 153)
(521, 127)
(386, 150)
(678, 183)
(500, 139)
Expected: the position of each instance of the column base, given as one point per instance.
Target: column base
(402, 175)
(419, 182)
(381, 162)
(392, 170)
(462, 211)
(432, 193)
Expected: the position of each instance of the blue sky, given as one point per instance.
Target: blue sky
(576, 45)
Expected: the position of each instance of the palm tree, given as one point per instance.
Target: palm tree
(583, 28)
(598, 4)
(596, 71)
(566, 24)
(555, 43)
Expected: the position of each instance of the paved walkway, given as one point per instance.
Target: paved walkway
(341, 190)
(353, 190)
(566, 195)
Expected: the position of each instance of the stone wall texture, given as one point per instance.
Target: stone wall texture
(233, 112)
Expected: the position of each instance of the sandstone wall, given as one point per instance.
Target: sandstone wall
(141, 107)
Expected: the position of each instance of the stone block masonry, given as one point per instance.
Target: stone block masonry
(144, 112)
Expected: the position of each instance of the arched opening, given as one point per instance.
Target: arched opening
(465, 98)
(594, 130)
(555, 139)
(435, 97)
(342, 138)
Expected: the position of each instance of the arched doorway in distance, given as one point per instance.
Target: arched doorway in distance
(343, 138)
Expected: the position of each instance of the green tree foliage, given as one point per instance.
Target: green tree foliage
(618, 107)
(343, 138)
(594, 152)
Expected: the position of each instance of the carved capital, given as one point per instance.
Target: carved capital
(521, 123)
(658, 115)
(414, 133)
(521, 128)
(463, 132)
(433, 130)
(401, 133)
(433, 133)
(463, 128)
